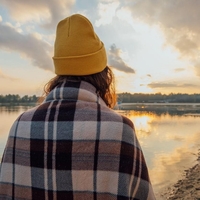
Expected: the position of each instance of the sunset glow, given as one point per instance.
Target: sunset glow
(152, 46)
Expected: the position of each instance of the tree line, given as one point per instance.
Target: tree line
(15, 98)
(158, 98)
(122, 97)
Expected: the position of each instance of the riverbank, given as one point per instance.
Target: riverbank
(187, 188)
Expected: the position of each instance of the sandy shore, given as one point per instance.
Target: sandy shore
(187, 188)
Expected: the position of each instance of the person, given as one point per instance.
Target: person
(74, 145)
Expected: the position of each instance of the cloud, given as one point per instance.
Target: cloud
(47, 12)
(161, 85)
(175, 138)
(29, 46)
(6, 77)
(107, 11)
(197, 67)
(170, 85)
(115, 60)
(16, 27)
(179, 69)
(179, 21)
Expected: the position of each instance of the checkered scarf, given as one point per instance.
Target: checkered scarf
(73, 147)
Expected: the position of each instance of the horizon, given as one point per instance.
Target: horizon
(152, 46)
(116, 94)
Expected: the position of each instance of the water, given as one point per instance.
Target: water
(169, 136)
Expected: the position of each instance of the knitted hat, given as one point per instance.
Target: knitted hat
(78, 51)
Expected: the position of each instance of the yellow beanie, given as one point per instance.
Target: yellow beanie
(78, 51)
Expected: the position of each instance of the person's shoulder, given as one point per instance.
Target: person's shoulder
(113, 115)
(28, 114)
(127, 121)
(23, 121)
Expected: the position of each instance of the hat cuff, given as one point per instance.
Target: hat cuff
(81, 65)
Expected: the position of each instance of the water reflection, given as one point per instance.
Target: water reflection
(14, 108)
(170, 139)
(170, 144)
(8, 114)
(160, 109)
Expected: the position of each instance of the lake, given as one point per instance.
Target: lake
(169, 136)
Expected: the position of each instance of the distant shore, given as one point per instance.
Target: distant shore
(160, 104)
(188, 188)
(18, 104)
(183, 108)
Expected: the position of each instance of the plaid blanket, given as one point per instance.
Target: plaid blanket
(73, 146)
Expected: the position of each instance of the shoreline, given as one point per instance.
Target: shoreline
(159, 104)
(186, 188)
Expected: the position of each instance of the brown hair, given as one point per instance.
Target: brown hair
(102, 81)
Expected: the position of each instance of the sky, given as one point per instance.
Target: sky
(152, 45)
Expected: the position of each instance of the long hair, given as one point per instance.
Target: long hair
(103, 82)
